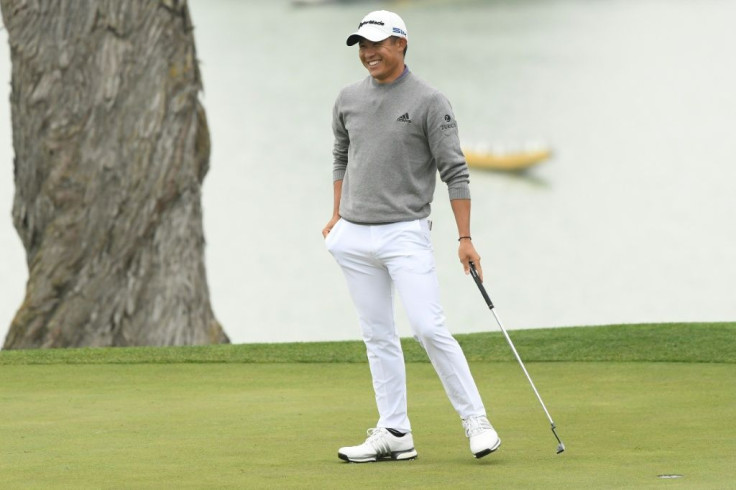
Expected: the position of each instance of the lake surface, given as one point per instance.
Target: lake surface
(632, 220)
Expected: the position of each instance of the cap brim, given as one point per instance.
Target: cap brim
(368, 32)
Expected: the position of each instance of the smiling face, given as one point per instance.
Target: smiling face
(384, 60)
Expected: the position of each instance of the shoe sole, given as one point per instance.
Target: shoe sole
(394, 456)
(488, 451)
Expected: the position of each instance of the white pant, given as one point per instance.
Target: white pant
(374, 259)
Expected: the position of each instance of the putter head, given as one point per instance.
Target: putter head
(560, 445)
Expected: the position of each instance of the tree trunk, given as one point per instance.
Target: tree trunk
(111, 148)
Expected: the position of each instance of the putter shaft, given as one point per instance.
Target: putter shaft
(487, 298)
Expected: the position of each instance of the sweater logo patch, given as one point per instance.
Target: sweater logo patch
(450, 123)
(404, 118)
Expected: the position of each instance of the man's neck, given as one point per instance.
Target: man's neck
(393, 79)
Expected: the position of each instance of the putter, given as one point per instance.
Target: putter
(476, 278)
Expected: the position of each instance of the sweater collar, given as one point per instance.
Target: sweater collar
(404, 75)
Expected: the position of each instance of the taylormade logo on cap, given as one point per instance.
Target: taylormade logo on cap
(378, 26)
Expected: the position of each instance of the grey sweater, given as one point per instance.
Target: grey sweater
(390, 141)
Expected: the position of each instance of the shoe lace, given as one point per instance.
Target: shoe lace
(375, 433)
(476, 425)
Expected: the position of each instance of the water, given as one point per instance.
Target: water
(631, 221)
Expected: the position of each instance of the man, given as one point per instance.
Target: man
(393, 133)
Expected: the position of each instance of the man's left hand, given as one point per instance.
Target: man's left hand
(466, 252)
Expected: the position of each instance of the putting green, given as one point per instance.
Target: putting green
(279, 426)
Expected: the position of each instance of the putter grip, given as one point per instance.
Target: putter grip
(479, 283)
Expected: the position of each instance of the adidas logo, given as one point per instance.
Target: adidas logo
(404, 118)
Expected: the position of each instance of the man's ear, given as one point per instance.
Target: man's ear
(400, 43)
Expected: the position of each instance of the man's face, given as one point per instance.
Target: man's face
(384, 60)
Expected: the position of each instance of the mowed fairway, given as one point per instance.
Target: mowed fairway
(278, 425)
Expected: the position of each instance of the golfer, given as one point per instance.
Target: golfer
(393, 133)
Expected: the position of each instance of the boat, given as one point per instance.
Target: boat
(506, 160)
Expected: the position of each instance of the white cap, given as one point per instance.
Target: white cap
(378, 26)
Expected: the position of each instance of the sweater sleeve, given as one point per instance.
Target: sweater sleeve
(342, 143)
(444, 143)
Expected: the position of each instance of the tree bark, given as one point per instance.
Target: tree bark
(111, 148)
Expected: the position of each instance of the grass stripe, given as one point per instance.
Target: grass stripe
(671, 342)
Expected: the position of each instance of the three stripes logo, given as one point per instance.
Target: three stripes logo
(404, 118)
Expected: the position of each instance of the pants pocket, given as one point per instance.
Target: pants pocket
(331, 237)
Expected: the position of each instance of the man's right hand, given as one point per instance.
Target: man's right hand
(328, 227)
(336, 194)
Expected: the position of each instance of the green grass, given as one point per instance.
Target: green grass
(630, 402)
(673, 342)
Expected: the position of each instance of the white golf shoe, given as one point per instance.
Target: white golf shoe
(381, 444)
(483, 438)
